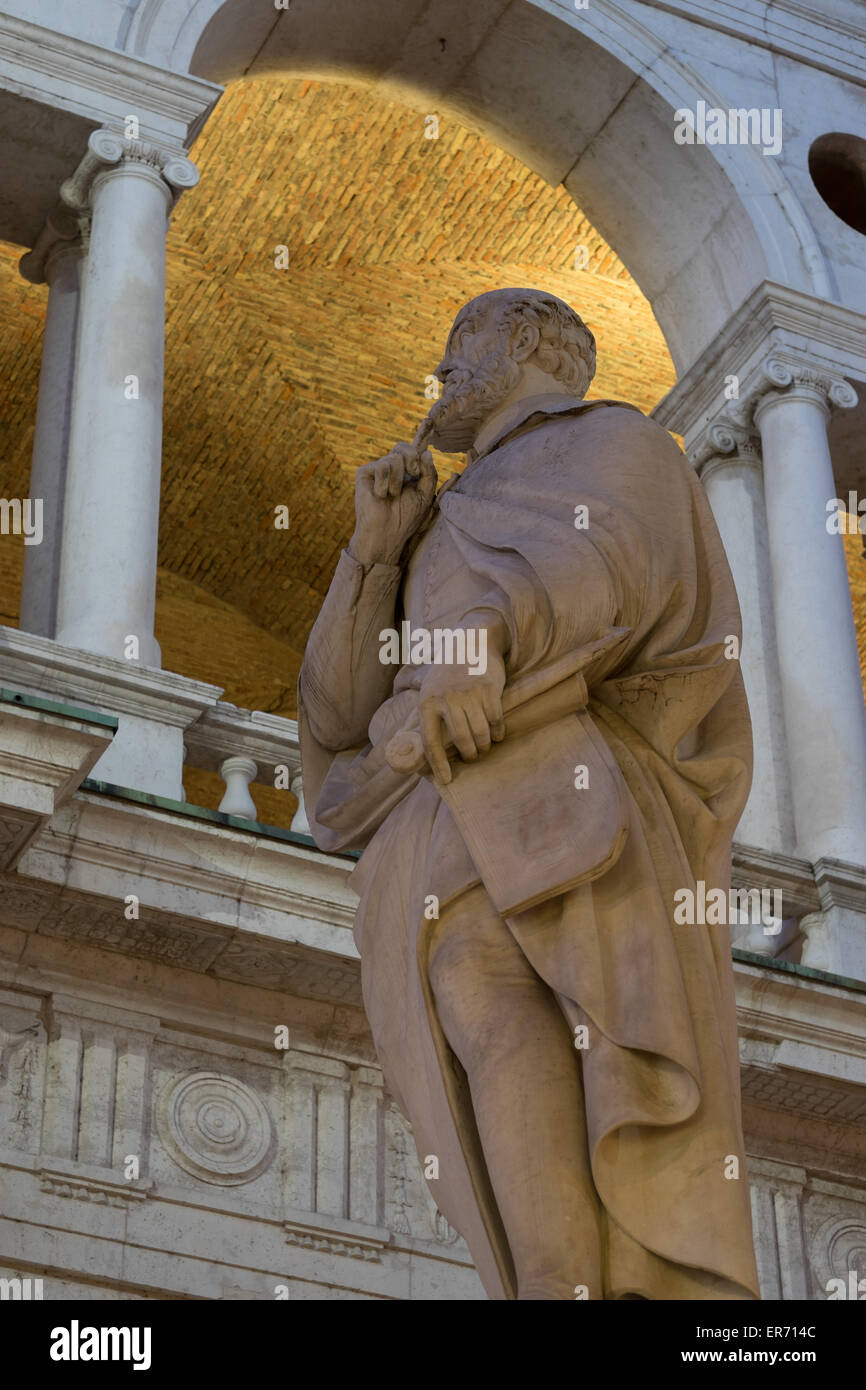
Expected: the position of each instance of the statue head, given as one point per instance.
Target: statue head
(504, 345)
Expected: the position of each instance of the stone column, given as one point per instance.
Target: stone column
(108, 567)
(822, 691)
(729, 466)
(56, 260)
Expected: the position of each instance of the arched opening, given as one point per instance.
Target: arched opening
(587, 101)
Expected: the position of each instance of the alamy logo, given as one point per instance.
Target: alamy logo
(441, 646)
(713, 907)
(711, 125)
(19, 518)
(855, 1289)
(20, 1290)
(76, 1343)
(846, 518)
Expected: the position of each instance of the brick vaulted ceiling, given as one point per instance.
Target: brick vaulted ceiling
(280, 382)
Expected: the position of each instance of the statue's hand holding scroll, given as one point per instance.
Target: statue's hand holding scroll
(462, 707)
(392, 497)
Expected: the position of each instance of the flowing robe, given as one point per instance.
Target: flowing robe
(666, 734)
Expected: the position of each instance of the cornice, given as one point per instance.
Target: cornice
(39, 664)
(778, 1007)
(102, 84)
(788, 27)
(232, 878)
(794, 877)
(841, 884)
(774, 322)
(207, 932)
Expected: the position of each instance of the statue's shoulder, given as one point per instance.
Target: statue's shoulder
(612, 414)
(620, 420)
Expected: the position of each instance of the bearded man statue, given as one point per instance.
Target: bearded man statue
(559, 1040)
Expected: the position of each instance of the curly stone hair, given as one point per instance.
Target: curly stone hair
(566, 348)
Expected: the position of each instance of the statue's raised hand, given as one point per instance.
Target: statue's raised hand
(392, 497)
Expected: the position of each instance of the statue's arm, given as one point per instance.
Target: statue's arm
(342, 680)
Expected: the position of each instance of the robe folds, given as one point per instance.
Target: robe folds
(639, 581)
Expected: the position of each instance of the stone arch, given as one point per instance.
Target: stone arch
(585, 98)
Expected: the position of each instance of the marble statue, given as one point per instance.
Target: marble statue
(522, 701)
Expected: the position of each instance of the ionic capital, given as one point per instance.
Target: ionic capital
(109, 149)
(62, 234)
(785, 376)
(726, 441)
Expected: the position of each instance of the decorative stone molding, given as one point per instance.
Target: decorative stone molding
(335, 1237)
(731, 434)
(288, 927)
(794, 878)
(63, 233)
(10, 1040)
(47, 668)
(778, 1192)
(789, 375)
(100, 83)
(725, 441)
(780, 1089)
(840, 884)
(216, 1128)
(842, 893)
(838, 1248)
(809, 1030)
(107, 149)
(775, 322)
(832, 42)
(56, 1183)
(15, 835)
(443, 1231)
(45, 752)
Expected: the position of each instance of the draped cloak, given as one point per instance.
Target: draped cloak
(667, 711)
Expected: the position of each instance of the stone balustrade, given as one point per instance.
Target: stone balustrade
(163, 721)
(248, 746)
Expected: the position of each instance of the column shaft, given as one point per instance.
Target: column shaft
(735, 490)
(822, 691)
(108, 570)
(41, 574)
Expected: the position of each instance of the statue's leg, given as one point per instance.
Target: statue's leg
(505, 1026)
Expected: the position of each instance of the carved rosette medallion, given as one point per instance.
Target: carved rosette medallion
(215, 1128)
(844, 1249)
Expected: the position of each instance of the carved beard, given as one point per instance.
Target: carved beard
(468, 399)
